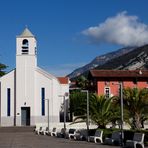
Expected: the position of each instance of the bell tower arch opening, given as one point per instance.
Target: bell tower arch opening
(25, 46)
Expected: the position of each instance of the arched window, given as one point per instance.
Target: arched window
(25, 46)
(25, 43)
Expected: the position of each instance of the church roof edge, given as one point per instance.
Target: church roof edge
(26, 33)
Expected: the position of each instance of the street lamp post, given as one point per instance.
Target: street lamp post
(121, 103)
(121, 110)
(47, 112)
(64, 113)
(64, 103)
(87, 121)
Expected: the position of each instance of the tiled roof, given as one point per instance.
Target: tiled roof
(119, 73)
(63, 80)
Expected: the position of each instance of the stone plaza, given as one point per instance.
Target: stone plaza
(31, 140)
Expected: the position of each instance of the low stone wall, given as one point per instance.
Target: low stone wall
(69, 125)
(82, 125)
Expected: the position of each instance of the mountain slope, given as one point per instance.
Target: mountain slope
(135, 59)
(99, 60)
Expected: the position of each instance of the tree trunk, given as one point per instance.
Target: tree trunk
(137, 121)
(113, 124)
(102, 126)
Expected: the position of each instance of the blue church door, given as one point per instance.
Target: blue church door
(25, 116)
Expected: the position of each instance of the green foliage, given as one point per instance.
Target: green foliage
(2, 68)
(77, 101)
(82, 82)
(103, 111)
(136, 104)
(115, 116)
(100, 110)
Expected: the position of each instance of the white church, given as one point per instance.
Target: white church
(26, 90)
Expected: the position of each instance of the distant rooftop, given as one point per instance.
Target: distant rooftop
(63, 80)
(26, 33)
(119, 73)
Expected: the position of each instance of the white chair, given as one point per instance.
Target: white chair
(45, 131)
(97, 137)
(77, 135)
(41, 131)
(62, 133)
(115, 139)
(138, 139)
(81, 134)
(71, 133)
(53, 132)
(38, 129)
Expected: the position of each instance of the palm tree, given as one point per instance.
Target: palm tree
(99, 109)
(136, 104)
(82, 82)
(116, 112)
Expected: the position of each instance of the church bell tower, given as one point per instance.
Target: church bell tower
(26, 63)
(26, 45)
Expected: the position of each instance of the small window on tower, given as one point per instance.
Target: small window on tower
(35, 50)
(25, 46)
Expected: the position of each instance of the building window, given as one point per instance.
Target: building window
(107, 92)
(35, 51)
(8, 101)
(43, 101)
(25, 46)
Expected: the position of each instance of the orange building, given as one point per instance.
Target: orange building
(106, 81)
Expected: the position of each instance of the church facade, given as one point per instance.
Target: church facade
(28, 94)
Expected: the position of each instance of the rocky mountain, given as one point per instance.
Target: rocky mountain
(100, 60)
(135, 59)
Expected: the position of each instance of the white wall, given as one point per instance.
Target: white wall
(25, 84)
(7, 81)
(28, 91)
(51, 85)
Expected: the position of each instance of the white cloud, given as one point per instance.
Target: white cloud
(121, 30)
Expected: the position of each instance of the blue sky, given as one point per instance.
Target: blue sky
(70, 33)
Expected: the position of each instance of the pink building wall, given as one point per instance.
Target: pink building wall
(114, 87)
